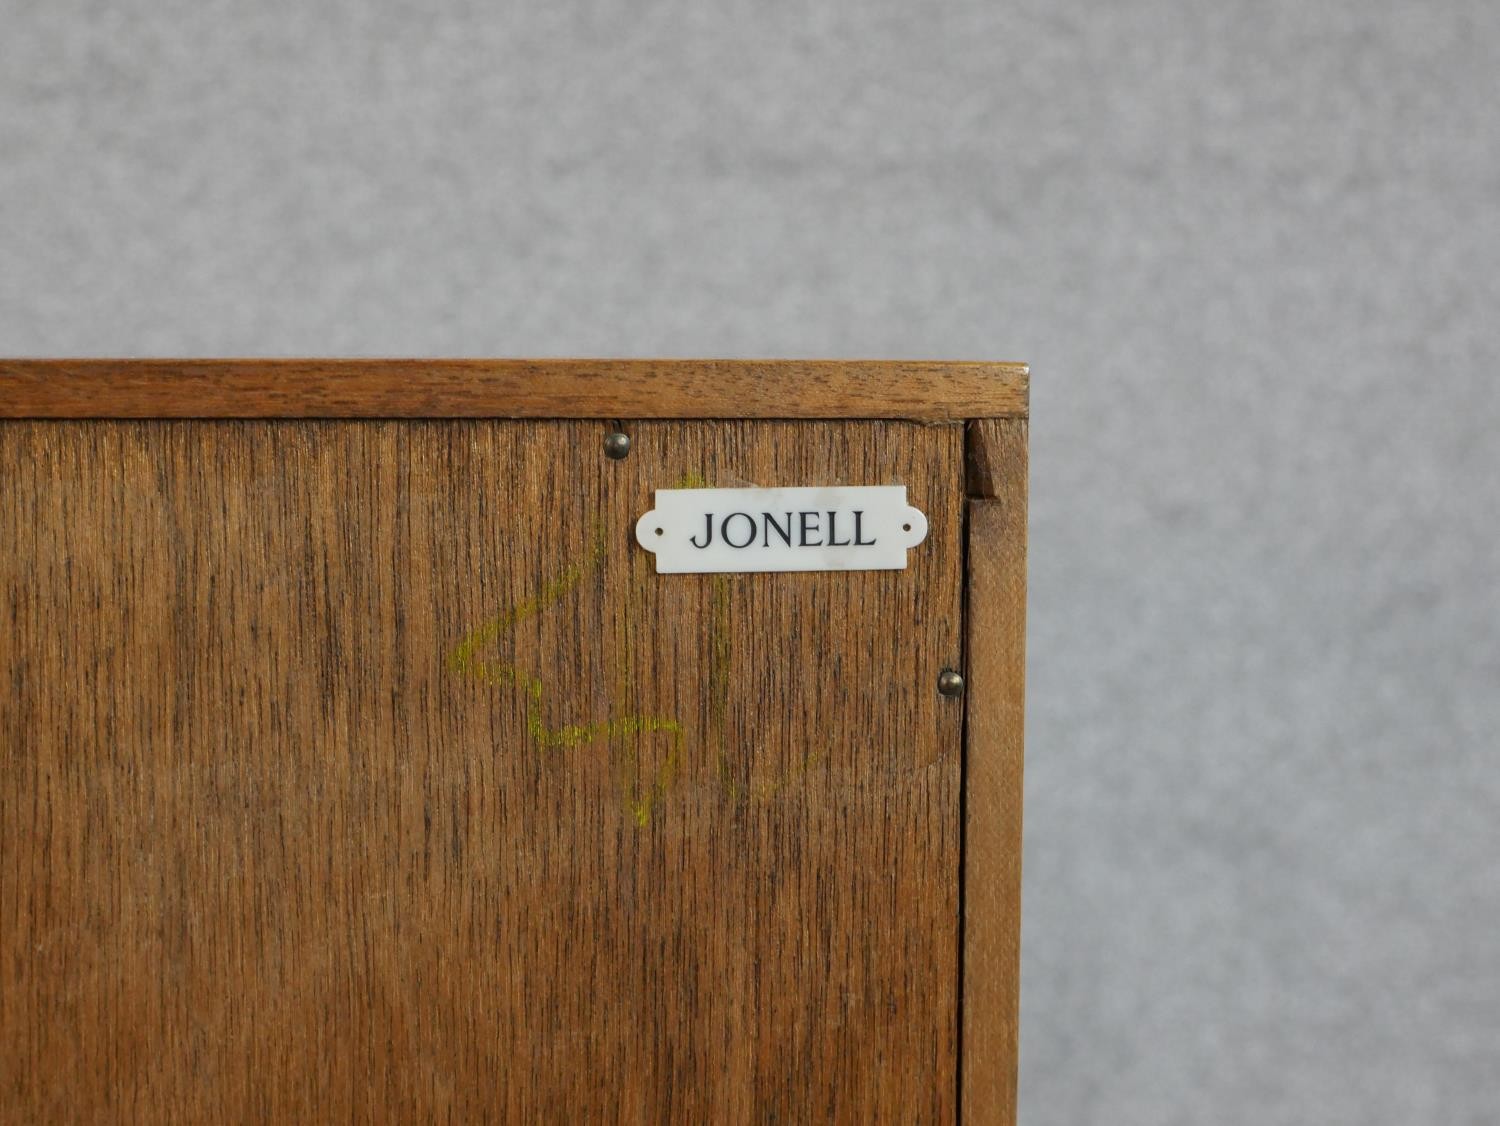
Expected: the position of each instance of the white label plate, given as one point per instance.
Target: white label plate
(832, 528)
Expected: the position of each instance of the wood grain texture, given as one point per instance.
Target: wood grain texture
(651, 389)
(993, 767)
(366, 770)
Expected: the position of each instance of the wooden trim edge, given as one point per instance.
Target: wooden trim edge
(500, 388)
(995, 672)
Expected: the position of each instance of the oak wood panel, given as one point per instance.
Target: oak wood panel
(654, 389)
(366, 770)
(993, 768)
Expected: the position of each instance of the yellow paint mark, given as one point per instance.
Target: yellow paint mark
(627, 730)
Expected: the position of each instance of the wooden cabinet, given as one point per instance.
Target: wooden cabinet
(358, 764)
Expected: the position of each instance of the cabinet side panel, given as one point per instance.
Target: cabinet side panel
(993, 760)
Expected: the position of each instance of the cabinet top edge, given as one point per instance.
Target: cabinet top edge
(919, 390)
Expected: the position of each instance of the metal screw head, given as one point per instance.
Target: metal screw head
(950, 683)
(616, 445)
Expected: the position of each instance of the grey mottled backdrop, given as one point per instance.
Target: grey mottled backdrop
(1251, 251)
